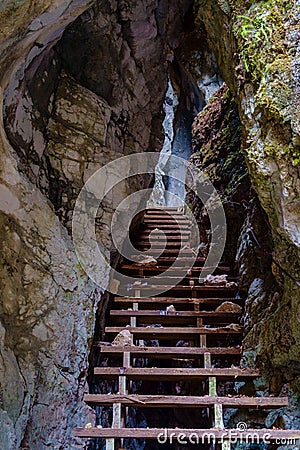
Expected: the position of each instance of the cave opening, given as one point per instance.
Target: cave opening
(124, 78)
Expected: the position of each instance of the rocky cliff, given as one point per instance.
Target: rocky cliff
(257, 48)
(81, 84)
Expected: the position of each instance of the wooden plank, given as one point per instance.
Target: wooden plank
(170, 259)
(165, 216)
(176, 232)
(177, 401)
(206, 434)
(181, 300)
(159, 313)
(169, 232)
(144, 237)
(135, 267)
(158, 253)
(166, 219)
(169, 226)
(169, 352)
(154, 373)
(158, 244)
(176, 331)
(171, 279)
(204, 289)
(179, 318)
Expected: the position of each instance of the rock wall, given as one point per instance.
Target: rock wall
(217, 151)
(80, 86)
(257, 49)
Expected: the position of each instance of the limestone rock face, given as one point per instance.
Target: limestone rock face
(257, 48)
(263, 72)
(82, 83)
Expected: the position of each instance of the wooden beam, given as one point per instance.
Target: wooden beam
(179, 317)
(155, 313)
(169, 352)
(170, 251)
(206, 434)
(139, 373)
(167, 232)
(168, 217)
(135, 267)
(206, 289)
(157, 244)
(178, 300)
(176, 401)
(170, 225)
(176, 331)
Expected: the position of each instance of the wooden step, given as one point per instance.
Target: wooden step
(169, 352)
(183, 259)
(182, 278)
(179, 238)
(158, 223)
(164, 210)
(184, 434)
(165, 218)
(177, 401)
(204, 290)
(179, 317)
(171, 374)
(170, 251)
(173, 332)
(170, 232)
(156, 244)
(182, 300)
(163, 313)
(137, 267)
(166, 226)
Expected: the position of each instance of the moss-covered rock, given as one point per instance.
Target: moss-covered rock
(257, 47)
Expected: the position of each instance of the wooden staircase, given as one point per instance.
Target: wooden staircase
(208, 338)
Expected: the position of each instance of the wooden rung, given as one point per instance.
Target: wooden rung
(145, 238)
(175, 232)
(170, 352)
(166, 219)
(172, 225)
(159, 313)
(206, 434)
(167, 251)
(174, 331)
(177, 401)
(159, 232)
(165, 279)
(172, 300)
(158, 221)
(154, 373)
(167, 216)
(180, 318)
(134, 267)
(157, 244)
(164, 208)
(204, 289)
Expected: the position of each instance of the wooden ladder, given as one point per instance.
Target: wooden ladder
(195, 320)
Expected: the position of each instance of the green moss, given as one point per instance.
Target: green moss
(260, 34)
(277, 88)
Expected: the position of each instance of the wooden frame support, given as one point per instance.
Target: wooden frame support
(119, 411)
(218, 408)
